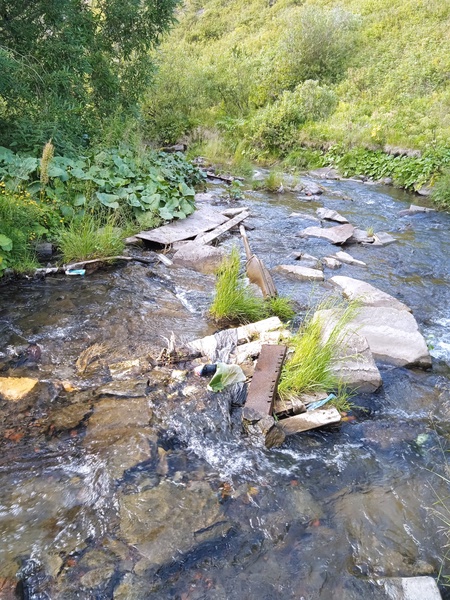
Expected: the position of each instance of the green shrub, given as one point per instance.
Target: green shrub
(275, 127)
(318, 44)
(21, 224)
(441, 191)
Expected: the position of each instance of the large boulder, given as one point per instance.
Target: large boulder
(199, 257)
(368, 295)
(336, 235)
(393, 335)
(354, 364)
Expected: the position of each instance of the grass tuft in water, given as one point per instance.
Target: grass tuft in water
(234, 301)
(309, 369)
(89, 238)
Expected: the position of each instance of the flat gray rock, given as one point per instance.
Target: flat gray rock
(381, 238)
(355, 289)
(410, 588)
(199, 257)
(203, 219)
(325, 173)
(354, 365)
(331, 263)
(300, 272)
(393, 335)
(306, 260)
(348, 259)
(336, 235)
(305, 216)
(330, 215)
(360, 236)
(416, 210)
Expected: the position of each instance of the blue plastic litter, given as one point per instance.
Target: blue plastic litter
(320, 403)
(76, 272)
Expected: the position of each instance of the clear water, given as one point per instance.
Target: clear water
(152, 492)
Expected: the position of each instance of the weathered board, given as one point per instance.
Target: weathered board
(264, 383)
(310, 420)
(205, 238)
(203, 219)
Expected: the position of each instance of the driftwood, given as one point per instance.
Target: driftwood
(225, 178)
(82, 263)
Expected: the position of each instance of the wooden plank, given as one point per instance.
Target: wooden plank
(200, 221)
(205, 238)
(310, 420)
(263, 387)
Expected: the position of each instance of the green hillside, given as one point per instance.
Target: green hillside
(282, 79)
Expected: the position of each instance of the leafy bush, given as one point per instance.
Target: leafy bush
(441, 192)
(275, 127)
(21, 225)
(109, 180)
(318, 44)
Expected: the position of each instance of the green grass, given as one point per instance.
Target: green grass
(89, 238)
(235, 301)
(309, 369)
(273, 181)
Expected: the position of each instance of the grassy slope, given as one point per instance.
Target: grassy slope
(221, 60)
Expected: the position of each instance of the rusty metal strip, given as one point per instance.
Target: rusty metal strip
(263, 387)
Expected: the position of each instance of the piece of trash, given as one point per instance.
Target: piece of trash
(226, 375)
(204, 370)
(422, 439)
(320, 403)
(75, 272)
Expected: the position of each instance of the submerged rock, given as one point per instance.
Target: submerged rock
(16, 388)
(410, 588)
(162, 522)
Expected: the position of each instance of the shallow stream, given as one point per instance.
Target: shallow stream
(127, 481)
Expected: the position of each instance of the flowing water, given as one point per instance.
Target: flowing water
(124, 480)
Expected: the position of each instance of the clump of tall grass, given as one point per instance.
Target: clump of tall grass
(89, 238)
(235, 301)
(310, 367)
(274, 181)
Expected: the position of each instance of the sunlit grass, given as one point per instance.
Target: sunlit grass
(235, 301)
(89, 238)
(310, 367)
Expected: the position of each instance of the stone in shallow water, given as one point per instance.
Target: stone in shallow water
(330, 215)
(304, 273)
(354, 364)
(410, 588)
(199, 257)
(393, 335)
(162, 522)
(348, 259)
(16, 388)
(331, 263)
(355, 289)
(336, 235)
